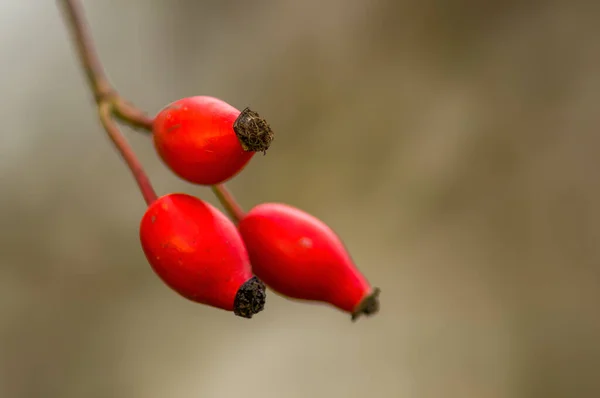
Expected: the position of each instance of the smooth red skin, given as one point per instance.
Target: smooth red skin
(195, 249)
(299, 256)
(195, 138)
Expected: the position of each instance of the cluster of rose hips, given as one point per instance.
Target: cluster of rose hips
(205, 257)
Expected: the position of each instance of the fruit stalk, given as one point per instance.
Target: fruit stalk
(109, 104)
(119, 108)
(90, 61)
(228, 202)
(143, 182)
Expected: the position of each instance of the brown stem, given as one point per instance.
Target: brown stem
(132, 115)
(105, 114)
(111, 104)
(86, 49)
(228, 202)
(90, 61)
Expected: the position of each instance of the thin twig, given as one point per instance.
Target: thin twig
(228, 202)
(86, 49)
(107, 100)
(90, 61)
(111, 104)
(131, 115)
(105, 113)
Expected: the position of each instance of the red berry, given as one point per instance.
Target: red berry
(207, 141)
(298, 256)
(198, 252)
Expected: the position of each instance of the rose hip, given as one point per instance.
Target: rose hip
(206, 141)
(198, 252)
(299, 256)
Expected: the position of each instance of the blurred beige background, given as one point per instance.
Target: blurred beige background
(452, 144)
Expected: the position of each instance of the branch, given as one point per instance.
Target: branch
(105, 113)
(110, 104)
(97, 80)
(228, 202)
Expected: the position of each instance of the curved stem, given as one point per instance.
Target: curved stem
(132, 115)
(97, 80)
(228, 202)
(111, 104)
(86, 49)
(112, 130)
(108, 101)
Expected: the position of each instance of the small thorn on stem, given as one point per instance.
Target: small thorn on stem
(253, 132)
(368, 306)
(250, 298)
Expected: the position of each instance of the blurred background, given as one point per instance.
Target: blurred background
(452, 145)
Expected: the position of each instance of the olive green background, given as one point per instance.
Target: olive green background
(453, 145)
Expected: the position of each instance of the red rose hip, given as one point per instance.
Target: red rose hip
(300, 257)
(207, 141)
(198, 252)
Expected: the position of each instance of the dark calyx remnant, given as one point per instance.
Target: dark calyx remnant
(253, 131)
(368, 306)
(250, 298)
